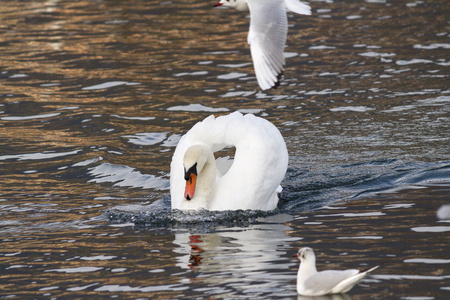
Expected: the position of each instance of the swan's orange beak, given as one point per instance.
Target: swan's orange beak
(190, 186)
(218, 4)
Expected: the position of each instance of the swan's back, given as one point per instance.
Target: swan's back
(259, 165)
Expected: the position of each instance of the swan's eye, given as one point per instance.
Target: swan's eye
(192, 170)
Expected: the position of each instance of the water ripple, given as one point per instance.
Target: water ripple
(33, 117)
(160, 214)
(39, 155)
(196, 107)
(126, 176)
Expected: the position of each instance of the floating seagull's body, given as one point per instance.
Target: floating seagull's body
(313, 283)
(267, 35)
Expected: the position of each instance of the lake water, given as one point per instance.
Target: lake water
(94, 96)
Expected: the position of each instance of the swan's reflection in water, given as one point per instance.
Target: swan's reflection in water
(238, 256)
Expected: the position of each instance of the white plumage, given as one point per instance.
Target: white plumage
(267, 34)
(250, 181)
(313, 283)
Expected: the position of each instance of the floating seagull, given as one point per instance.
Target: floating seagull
(313, 283)
(267, 35)
(250, 181)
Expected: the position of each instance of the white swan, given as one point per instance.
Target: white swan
(250, 181)
(313, 283)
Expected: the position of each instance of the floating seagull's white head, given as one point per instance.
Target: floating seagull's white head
(306, 254)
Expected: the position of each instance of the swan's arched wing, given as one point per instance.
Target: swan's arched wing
(259, 166)
(223, 164)
(267, 38)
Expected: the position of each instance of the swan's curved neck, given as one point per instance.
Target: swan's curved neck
(206, 177)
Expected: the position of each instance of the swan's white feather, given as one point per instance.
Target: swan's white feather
(223, 164)
(259, 164)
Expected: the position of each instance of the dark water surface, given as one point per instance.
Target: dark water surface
(94, 96)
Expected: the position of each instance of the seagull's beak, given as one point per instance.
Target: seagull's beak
(217, 4)
(190, 186)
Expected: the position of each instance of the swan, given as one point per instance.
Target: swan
(250, 181)
(313, 283)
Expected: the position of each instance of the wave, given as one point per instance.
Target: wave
(304, 190)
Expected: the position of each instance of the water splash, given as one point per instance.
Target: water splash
(160, 214)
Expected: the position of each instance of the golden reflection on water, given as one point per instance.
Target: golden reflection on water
(100, 255)
(358, 55)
